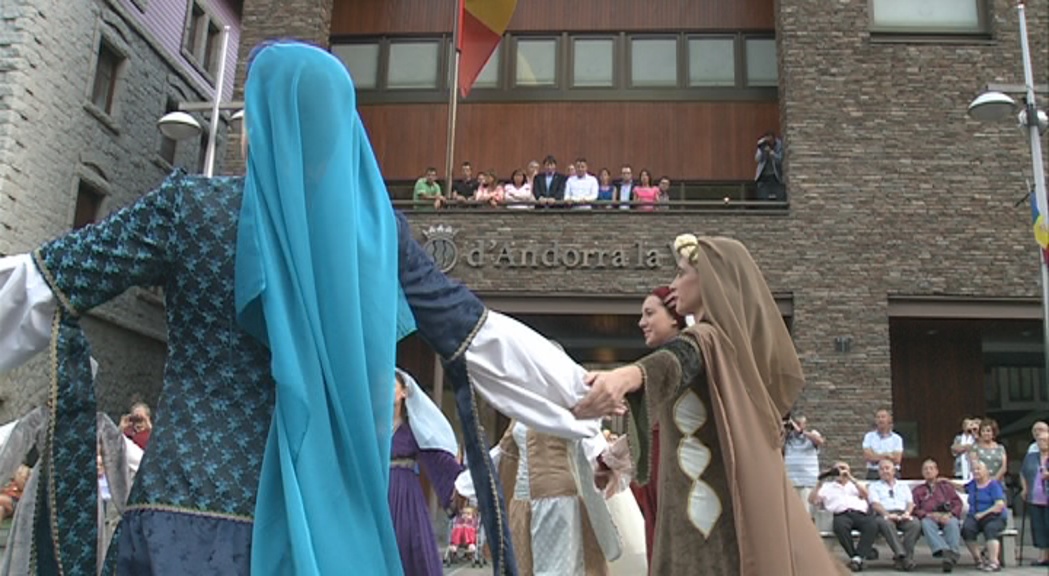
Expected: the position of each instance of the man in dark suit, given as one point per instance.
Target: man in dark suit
(549, 185)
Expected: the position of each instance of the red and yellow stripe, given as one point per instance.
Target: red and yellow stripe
(482, 24)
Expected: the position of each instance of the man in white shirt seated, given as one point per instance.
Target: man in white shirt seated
(847, 500)
(894, 504)
(581, 188)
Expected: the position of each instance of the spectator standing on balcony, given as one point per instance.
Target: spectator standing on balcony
(769, 175)
(489, 191)
(531, 172)
(549, 187)
(427, 190)
(518, 192)
(582, 188)
(645, 194)
(464, 188)
(664, 189)
(605, 190)
(939, 508)
(882, 443)
(625, 187)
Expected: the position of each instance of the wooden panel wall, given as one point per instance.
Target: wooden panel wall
(683, 140)
(351, 17)
(937, 379)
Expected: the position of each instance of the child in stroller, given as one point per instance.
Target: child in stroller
(466, 538)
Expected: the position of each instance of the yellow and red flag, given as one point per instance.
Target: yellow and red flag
(1041, 233)
(482, 24)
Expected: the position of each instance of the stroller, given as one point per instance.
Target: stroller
(466, 538)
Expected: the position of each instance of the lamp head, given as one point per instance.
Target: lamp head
(1043, 121)
(179, 126)
(236, 121)
(991, 107)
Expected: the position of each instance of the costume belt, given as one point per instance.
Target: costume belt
(402, 463)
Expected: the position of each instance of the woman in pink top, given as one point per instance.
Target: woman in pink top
(646, 195)
(488, 191)
(518, 192)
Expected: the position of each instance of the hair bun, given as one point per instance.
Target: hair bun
(686, 245)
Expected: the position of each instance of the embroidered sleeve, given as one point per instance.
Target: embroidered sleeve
(131, 247)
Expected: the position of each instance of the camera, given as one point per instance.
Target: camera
(830, 473)
(945, 507)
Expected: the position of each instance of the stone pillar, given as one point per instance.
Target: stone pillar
(306, 20)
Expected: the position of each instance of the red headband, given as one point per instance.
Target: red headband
(663, 292)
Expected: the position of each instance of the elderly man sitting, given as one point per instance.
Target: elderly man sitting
(893, 503)
(939, 508)
(847, 500)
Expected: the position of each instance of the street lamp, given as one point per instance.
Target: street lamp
(995, 106)
(181, 126)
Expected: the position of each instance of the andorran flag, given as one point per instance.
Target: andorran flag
(1041, 233)
(481, 27)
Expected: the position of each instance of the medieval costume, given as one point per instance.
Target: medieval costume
(718, 392)
(424, 440)
(29, 434)
(552, 522)
(245, 268)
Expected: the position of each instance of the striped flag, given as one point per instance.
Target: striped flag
(482, 24)
(1041, 234)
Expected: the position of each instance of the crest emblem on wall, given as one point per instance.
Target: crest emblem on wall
(440, 245)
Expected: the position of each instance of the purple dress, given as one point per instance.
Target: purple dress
(411, 517)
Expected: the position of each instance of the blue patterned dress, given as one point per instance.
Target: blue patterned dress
(190, 509)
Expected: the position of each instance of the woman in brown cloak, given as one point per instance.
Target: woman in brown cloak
(718, 392)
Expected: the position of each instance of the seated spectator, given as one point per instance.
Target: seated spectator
(427, 190)
(518, 192)
(1034, 484)
(605, 190)
(987, 515)
(646, 195)
(489, 191)
(846, 499)
(893, 503)
(549, 187)
(138, 424)
(12, 492)
(939, 508)
(464, 533)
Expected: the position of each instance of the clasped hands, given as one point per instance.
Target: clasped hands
(608, 390)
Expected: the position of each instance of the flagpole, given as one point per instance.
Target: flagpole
(453, 99)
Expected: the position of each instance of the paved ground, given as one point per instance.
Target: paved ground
(926, 565)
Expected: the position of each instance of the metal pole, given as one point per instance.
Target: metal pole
(453, 100)
(1038, 170)
(213, 127)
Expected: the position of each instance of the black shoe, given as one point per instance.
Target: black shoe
(855, 565)
(948, 566)
(872, 555)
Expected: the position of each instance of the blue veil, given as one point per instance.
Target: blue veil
(317, 282)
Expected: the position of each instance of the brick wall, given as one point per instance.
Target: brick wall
(50, 135)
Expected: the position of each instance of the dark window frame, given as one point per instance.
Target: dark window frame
(441, 74)
(89, 199)
(201, 39)
(107, 56)
(168, 148)
(507, 90)
(984, 11)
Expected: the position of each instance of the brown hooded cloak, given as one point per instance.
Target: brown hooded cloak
(719, 392)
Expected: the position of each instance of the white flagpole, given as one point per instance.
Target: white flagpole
(453, 101)
(213, 127)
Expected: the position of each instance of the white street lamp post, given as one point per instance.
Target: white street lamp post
(181, 126)
(996, 106)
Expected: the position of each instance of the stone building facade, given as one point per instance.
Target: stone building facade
(902, 211)
(74, 147)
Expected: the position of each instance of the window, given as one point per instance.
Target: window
(592, 62)
(169, 146)
(536, 62)
(489, 76)
(929, 16)
(762, 67)
(203, 34)
(711, 62)
(202, 153)
(88, 203)
(362, 60)
(413, 65)
(653, 62)
(106, 69)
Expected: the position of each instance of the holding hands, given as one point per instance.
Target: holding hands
(607, 392)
